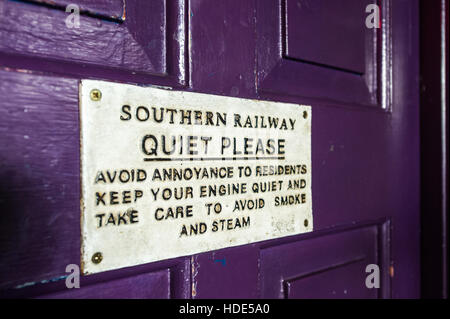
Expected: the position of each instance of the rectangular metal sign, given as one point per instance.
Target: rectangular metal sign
(167, 174)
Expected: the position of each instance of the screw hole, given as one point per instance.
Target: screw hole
(97, 258)
(306, 223)
(305, 114)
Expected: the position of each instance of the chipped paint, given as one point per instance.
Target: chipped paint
(124, 10)
(17, 70)
(194, 272)
(44, 281)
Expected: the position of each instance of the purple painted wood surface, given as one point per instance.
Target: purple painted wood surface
(114, 9)
(155, 285)
(365, 159)
(42, 32)
(39, 172)
(227, 273)
(217, 67)
(338, 37)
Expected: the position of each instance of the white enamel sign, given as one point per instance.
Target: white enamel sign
(168, 174)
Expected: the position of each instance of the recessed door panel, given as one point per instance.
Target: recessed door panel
(329, 266)
(323, 50)
(94, 43)
(330, 33)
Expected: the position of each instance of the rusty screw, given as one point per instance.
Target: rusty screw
(305, 114)
(97, 258)
(96, 95)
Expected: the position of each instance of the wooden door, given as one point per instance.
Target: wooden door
(362, 84)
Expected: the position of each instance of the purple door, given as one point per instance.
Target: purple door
(361, 82)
